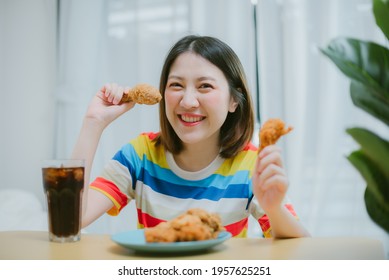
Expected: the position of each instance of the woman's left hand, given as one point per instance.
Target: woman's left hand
(270, 182)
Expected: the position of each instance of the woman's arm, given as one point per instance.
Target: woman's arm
(103, 109)
(270, 185)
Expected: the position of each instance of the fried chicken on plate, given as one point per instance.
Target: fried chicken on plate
(194, 225)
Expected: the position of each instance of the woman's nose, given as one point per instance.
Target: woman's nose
(189, 99)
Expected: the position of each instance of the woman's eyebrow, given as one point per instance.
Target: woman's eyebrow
(175, 77)
(207, 78)
(203, 78)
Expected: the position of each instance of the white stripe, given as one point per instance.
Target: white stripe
(197, 175)
(165, 207)
(117, 173)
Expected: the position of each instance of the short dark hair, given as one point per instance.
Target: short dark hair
(238, 127)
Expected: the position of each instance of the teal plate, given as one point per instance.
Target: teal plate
(135, 240)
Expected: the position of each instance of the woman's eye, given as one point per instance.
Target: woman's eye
(175, 85)
(206, 86)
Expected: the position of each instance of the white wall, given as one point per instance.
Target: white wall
(27, 79)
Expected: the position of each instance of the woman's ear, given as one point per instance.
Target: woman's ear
(233, 102)
(233, 106)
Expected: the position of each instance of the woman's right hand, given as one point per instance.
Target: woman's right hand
(105, 106)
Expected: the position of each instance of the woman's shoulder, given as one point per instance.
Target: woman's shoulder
(244, 160)
(150, 135)
(145, 138)
(248, 151)
(145, 146)
(250, 147)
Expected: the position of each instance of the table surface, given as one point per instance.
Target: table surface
(29, 245)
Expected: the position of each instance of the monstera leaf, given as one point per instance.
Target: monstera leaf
(366, 62)
(367, 65)
(381, 12)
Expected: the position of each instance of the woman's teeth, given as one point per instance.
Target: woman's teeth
(191, 119)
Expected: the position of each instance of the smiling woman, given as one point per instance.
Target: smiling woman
(199, 103)
(218, 71)
(165, 183)
(126, 40)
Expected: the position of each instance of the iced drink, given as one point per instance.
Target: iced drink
(63, 183)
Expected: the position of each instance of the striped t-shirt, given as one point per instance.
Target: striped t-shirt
(147, 173)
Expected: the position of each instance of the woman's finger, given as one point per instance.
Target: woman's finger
(117, 95)
(271, 158)
(277, 181)
(270, 171)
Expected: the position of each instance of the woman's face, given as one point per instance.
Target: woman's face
(197, 99)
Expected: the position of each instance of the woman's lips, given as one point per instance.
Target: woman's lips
(190, 119)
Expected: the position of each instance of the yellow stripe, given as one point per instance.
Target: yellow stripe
(245, 160)
(267, 233)
(242, 234)
(144, 146)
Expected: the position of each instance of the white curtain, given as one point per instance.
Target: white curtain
(27, 79)
(302, 86)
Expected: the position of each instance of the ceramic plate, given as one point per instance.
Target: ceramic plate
(135, 240)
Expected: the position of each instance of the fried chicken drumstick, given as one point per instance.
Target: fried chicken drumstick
(271, 131)
(143, 94)
(195, 224)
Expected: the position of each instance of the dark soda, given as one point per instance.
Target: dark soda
(63, 187)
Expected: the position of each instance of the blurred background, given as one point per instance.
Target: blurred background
(55, 54)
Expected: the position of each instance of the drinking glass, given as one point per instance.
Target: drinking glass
(63, 183)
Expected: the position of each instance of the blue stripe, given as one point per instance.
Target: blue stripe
(216, 180)
(195, 191)
(132, 164)
(166, 182)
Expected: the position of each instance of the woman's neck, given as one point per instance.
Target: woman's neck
(195, 158)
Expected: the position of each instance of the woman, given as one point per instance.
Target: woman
(201, 158)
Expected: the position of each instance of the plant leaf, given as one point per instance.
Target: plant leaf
(374, 147)
(367, 99)
(366, 62)
(374, 179)
(381, 14)
(377, 211)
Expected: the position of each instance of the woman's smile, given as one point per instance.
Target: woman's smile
(190, 119)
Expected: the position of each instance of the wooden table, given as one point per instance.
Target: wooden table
(29, 245)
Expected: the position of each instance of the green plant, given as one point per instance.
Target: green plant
(367, 65)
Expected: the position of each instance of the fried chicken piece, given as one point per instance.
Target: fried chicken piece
(190, 228)
(195, 224)
(213, 221)
(143, 94)
(271, 131)
(163, 232)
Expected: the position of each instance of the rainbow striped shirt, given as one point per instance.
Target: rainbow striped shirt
(162, 191)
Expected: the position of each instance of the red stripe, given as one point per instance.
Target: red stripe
(264, 220)
(151, 135)
(110, 188)
(238, 227)
(146, 220)
(291, 210)
(250, 147)
(264, 223)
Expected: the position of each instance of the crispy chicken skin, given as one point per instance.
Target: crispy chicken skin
(143, 94)
(271, 131)
(161, 233)
(194, 225)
